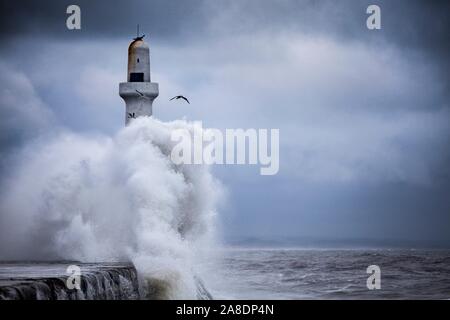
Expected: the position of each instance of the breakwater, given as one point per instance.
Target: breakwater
(48, 281)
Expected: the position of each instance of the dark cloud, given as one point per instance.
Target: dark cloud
(417, 25)
(25, 115)
(363, 115)
(414, 23)
(100, 18)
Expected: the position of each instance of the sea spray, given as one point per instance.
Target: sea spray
(110, 199)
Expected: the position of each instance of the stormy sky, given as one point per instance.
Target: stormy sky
(364, 116)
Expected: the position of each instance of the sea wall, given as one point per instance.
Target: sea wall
(47, 281)
(98, 281)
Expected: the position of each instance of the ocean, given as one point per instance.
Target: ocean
(330, 274)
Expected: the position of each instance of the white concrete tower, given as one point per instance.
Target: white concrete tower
(138, 92)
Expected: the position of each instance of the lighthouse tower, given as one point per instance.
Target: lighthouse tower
(138, 92)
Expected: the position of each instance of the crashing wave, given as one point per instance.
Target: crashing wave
(115, 198)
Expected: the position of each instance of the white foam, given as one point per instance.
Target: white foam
(112, 198)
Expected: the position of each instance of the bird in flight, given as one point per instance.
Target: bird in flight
(180, 97)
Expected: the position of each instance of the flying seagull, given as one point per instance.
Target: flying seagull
(180, 97)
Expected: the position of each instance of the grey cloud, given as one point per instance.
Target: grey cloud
(363, 115)
(100, 19)
(418, 26)
(416, 23)
(345, 112)
(24, 114)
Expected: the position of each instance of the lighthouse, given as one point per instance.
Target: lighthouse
(138, 92)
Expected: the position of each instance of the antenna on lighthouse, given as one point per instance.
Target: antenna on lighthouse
(137, 32)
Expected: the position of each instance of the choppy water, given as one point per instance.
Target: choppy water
(330, 274)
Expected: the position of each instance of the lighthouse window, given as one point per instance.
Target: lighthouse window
(136, 77)
(138, 60)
